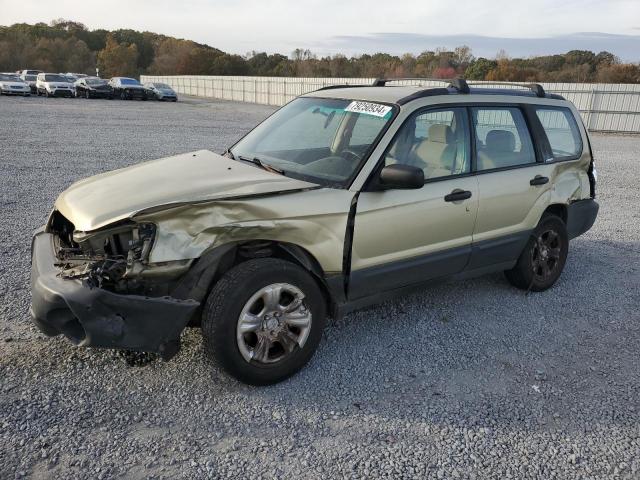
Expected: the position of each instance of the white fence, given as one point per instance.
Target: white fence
(604, 107)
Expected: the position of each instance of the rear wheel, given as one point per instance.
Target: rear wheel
(542, 260)
(263, 320)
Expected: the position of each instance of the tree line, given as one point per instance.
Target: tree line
(68, 46)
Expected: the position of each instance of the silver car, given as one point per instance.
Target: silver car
(160, 91)
(12, 84)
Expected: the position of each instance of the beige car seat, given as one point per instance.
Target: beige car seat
(437, 152)
(498, 151)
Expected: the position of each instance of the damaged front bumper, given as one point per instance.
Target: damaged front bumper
(95, 317)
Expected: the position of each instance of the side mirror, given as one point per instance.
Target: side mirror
(401, 176)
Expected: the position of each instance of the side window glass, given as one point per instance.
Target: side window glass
(502, 138)
(437, 141)
(562, 131)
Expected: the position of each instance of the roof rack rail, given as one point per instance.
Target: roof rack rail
(459, 84)
(536, 88)
(346, 85)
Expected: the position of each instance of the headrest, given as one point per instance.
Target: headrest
(440, 133)
(501, 141)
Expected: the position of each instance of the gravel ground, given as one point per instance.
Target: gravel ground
(465, 380)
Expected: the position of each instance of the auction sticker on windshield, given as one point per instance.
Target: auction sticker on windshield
(368, 108)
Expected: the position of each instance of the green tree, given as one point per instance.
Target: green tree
(479, 69)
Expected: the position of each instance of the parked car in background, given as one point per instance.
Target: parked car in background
(160, 91)
(12, 84)
(54, 85)
(342, 198)
(30, 79)
(93, 87)
(126, 88)
(29, 72)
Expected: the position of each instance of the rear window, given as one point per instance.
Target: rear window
(562, 131)
(129, 81)
(55, 78)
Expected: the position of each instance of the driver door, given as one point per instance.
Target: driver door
(405, 237)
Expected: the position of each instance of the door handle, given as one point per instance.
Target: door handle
(457, 195)
(539, 180)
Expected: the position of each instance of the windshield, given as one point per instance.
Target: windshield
(55, 78)
(30, 78)
(95, 81)
(162, 85)
(9, 78)
(317, 139)
(129, 81)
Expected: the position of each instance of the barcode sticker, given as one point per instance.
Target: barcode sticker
(368, 108)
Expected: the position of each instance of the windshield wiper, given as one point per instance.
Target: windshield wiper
(261, 164)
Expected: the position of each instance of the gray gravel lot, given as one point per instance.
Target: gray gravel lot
(466, 380)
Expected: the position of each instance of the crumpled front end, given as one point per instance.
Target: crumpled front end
(98, 290)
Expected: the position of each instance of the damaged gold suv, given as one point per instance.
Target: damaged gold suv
(343, 197)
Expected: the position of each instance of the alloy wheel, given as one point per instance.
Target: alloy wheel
(273, 324)
(545, 254)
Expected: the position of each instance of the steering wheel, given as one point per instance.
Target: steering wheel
(346, 153)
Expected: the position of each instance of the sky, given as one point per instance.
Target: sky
(520, 27)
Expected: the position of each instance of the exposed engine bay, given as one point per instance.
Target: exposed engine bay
(114, 258)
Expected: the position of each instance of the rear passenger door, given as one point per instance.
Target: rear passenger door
(512, 178)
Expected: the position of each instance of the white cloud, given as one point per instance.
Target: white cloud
(282, 25)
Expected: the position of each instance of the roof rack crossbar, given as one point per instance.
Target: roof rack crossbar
(459, 84)
(536, 88)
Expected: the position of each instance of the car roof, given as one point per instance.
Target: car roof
(401, 94)
(369, 93)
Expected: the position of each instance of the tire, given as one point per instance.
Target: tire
(233, 295)
(123, 95)
(87, 94)
(541, 262)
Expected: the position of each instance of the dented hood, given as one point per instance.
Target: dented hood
(191, 177)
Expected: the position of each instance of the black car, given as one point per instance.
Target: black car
(126, 88)
(93, 87)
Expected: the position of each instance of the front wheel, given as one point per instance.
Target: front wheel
(263, 320)
(543, 258)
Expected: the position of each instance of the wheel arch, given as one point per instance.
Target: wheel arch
(212, 265)
(559, 210)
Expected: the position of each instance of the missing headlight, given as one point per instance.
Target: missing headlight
(106, 257)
